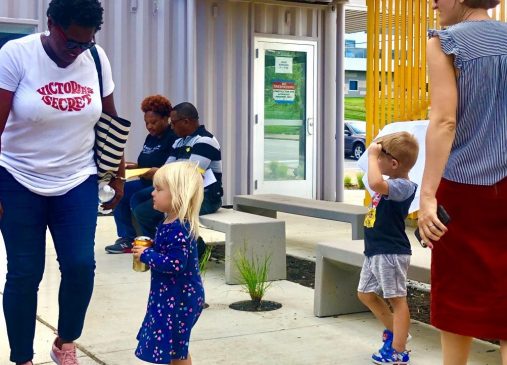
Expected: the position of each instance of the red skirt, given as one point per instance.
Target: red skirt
(469, 263)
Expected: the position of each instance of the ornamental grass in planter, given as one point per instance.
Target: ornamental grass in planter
(254, 274)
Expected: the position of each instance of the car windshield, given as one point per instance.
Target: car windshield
(358, 127)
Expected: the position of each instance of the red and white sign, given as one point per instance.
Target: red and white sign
(284, 91)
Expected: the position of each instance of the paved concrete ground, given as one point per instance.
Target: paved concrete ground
(288, 336)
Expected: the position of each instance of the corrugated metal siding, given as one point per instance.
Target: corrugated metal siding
(147, 50)
(190, 50)
(24, 9)
(225, 33)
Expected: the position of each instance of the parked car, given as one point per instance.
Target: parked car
(355, 138)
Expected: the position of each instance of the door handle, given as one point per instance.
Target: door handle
(309, 126)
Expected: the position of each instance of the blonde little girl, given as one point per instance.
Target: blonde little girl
(176, 295)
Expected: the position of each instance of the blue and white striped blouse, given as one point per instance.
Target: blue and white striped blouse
(479, 152)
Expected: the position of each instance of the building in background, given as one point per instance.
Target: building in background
(355, 64)
(263, 75)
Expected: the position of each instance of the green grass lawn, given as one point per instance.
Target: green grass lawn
(355, 108)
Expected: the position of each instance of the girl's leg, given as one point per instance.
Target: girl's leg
(72, 222)
(455, 348)
(187, 361)
(379, 308)
(401, 322)
(503, 351)
(23, 227)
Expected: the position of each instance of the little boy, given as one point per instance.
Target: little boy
(387, 248)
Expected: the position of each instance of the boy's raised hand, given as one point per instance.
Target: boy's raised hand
(374, 150)
(375, 179)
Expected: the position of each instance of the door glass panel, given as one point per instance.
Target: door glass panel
(285, 115)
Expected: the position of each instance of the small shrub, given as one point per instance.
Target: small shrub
(359, 177)
(203, 262)
(347, 182)
(254, 275)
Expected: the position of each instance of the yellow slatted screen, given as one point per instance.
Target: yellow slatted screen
(396, 76)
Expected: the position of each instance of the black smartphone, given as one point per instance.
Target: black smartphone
(442, 215)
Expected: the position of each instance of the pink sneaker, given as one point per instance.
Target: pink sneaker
(65, 356)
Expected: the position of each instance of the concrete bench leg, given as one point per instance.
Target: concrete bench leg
(259, 240)
(358, 228)
(336, 288)
(258, 211)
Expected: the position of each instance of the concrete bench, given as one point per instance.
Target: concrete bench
(258, 236)
(337, 269)
(268, 204)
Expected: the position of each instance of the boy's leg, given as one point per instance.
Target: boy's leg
(368, 290)
(455, 348)
(378, 307)
(391, 272)
(401, 322)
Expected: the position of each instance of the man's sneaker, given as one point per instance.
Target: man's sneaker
(121, 245)
(391, 356)
(65, 356)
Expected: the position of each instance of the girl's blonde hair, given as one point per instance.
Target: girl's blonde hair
(185, 183)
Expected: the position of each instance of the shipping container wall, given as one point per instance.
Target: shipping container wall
(189, 50)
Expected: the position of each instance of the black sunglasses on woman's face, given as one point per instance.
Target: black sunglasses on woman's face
(70, 44)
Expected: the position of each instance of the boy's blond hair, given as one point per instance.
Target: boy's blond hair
(185, 183)
(402, 146)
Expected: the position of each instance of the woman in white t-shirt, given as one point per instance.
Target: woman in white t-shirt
(49, 103)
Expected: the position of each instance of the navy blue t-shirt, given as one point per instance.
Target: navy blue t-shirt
(156, 150)
(386, 232)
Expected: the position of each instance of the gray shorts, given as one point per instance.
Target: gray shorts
(385, 275)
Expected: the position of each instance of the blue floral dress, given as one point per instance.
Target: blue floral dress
(176, 295)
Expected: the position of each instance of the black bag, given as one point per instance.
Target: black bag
(111, 133)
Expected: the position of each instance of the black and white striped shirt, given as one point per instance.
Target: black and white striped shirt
(479, 152)
(201, 147)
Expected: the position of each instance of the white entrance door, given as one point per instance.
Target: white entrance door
(284, 124)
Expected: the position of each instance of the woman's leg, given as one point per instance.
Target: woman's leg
(455, 348)
(72, 222)
(122, 213)
(23, 227)
(503, 350)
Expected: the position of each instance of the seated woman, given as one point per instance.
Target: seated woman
(156, 150)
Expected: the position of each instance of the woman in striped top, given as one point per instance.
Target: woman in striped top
(466, 169)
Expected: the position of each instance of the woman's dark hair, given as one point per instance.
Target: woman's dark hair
(158, 104)
(484, 4)
(85, 13)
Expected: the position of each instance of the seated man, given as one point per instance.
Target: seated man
(195, 143)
